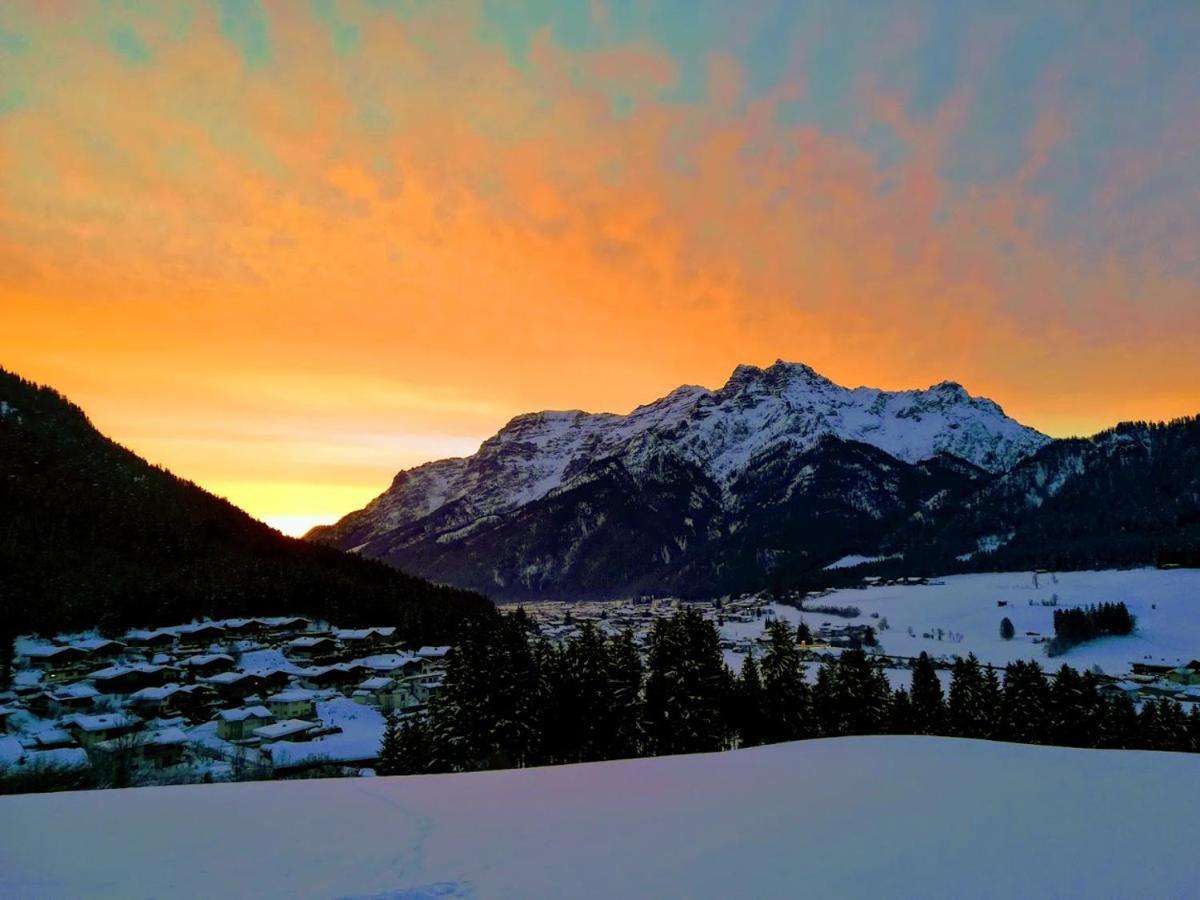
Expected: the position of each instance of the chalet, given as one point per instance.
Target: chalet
(158, 750)
(293, 704)
(56, 663)
(199, 637)
(154, 701)
(246, 628)
(208, 664)
(233, 687)
(93, 730)
(393, 664)
(287, 730)
(127, 679)
(312, 648)
(237, 724)
(53, 739)
(100, 648)
(358, 639)
(72, 698)
(382, 693)
(164, 749)
(1152, 669)
(338, 675)
(1161, 689)
(151, 640)
(433, 654)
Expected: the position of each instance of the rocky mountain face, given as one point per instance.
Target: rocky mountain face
(778, 471)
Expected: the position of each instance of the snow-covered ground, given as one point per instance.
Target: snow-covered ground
(1166, 603)
(852, 817)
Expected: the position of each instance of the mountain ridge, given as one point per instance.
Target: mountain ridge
(722, 438)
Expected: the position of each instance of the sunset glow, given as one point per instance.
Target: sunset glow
(288, 249)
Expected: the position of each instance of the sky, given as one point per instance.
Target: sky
(289, 248)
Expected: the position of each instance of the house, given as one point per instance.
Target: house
(200, 637)
(386, 694)
(393, 664)
(293, 704)
(57, 662)
(1119, 689)
(100, 648)
(72, 698)
(288, 730)
(161, 749)
(127, 679)
(93, 730)
(233, 687)
(1153, 669)
(171, 699)
(338, 675)
(151, 640)
(433, 654)
(237, 724)
(359, 639)
(208, 664)
(53, 739)
(312, 648)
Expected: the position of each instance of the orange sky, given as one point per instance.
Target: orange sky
(288, 269)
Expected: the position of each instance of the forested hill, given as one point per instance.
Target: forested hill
(1128, 496)
(93, 535)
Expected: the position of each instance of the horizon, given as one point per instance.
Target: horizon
(289, 251)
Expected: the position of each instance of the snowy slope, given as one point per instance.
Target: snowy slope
(852, 817)
(1165, 603)
(719, 431)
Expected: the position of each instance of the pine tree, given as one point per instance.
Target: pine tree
(1025, 714)
(963, 707)
(688, 686)
(390, 749)
(928, 705)
(1007, 631)
(829, 706)
(751, 719)
(414, 745)
(863, 690)
(625, 675)
(900, 718)
(787, 702)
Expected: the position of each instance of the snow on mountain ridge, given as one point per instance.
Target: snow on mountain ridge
(721, 431)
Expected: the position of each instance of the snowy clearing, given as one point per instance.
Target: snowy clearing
(868, 817)
(1166, 603)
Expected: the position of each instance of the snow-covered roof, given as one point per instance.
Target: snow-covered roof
(244, 713)
(205, 659)
(77, 691)
(387, 662)
(376, 684)
(284, 728)
(295, 695)
(433, 652)
(103, 722)
(303, 643)
(117, 671)
(229, 677)
(168, 737)
(360, 634)
(93, 644)
(156, 693)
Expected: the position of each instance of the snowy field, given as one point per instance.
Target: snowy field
(1166, 603)
(851, 817)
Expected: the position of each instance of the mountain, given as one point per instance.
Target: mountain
(1128, 496)
(91, 534)
(779, 471)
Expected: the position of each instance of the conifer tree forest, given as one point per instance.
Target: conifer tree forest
(512, 699)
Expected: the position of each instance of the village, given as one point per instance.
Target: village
(835, 622)
(214, 700)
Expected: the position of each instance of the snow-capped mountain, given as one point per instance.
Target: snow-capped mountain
(724, 456)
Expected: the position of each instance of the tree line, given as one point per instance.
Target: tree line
(513, 699)
(1077, 626)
